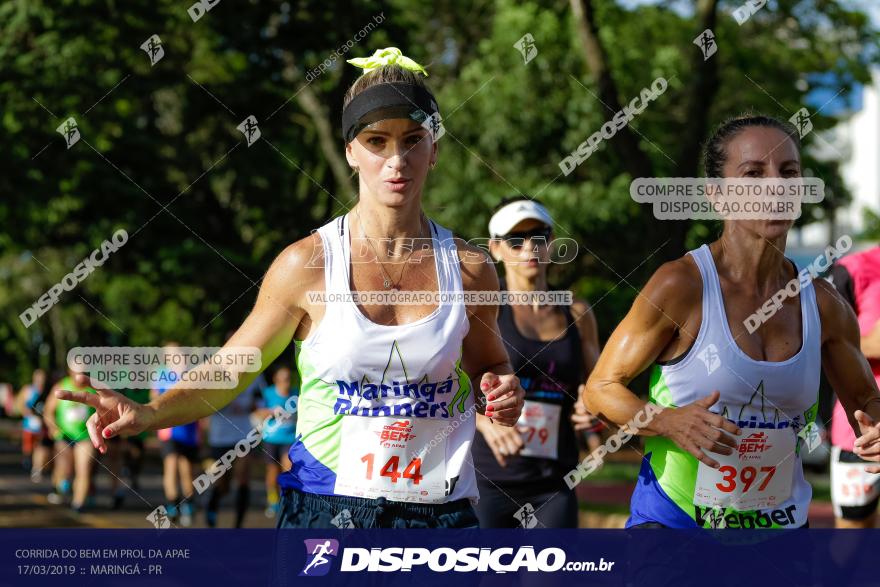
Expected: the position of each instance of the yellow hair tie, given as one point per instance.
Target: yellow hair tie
(387, 56)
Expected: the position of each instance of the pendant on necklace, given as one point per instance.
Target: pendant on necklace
(386, 283)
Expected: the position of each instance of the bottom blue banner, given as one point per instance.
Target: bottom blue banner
(469, 557)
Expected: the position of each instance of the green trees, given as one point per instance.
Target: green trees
(160, 155)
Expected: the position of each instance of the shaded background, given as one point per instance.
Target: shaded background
(160, 155)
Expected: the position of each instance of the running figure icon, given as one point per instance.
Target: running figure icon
(318, 551)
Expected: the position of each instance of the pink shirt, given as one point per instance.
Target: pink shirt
(864, 269)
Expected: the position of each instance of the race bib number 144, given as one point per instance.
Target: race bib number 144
(399, 459)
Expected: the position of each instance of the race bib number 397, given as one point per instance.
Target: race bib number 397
(758, 475)
(397, 458)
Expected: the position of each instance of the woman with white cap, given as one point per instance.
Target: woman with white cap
(552, 348)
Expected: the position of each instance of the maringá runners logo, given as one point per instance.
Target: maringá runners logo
(398, 393)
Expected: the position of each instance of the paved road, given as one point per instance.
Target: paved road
(23, 503)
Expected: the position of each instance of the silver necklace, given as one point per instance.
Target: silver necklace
(387, 283)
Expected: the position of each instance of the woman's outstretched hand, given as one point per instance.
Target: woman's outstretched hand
(114, 414)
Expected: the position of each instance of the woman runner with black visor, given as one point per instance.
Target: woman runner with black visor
(385, 417)
(520, 471)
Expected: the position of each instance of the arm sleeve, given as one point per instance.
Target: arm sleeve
(842, 280)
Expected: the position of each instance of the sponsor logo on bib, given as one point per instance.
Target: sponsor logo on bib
(754, 443)
(395, 435)
(718, 518)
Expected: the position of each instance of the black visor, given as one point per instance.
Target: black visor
(384, 101)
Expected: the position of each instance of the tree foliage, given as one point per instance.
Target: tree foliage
(160, 155)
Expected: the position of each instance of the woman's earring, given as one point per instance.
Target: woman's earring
(433, 164)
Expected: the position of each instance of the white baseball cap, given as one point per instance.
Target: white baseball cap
(513, 213)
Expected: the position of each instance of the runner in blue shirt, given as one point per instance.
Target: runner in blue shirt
(278, 433)
(180, 449)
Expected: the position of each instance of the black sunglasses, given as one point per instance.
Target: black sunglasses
(517, 239)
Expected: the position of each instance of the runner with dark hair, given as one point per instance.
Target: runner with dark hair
(552, 350)
(854, 491)
(723, 388)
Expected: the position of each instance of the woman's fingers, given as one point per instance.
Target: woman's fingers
(867, 446)
(697, 452)
(83, 397)
(505, 398)
(703, 438)
(514, 440)
(501, 391)
(708, 401)
(870, 432)
(865, 421)
(488, 381)
(507, 414)
(870, 452)
(95, 434)
(721, 422)
(870, 436)
(509, 401)
(119, 425)
(496, 451)
(498, 387)
(720, 449)
(720, 438)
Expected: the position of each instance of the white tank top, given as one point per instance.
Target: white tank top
(759, 396)
(384, 411)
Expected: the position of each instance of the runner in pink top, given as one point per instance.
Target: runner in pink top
(854, 492)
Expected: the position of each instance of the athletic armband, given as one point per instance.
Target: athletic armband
(873, 399)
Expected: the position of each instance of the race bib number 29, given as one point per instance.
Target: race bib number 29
(758, 475)
(392, 458)
(539, 426)
(851, 484)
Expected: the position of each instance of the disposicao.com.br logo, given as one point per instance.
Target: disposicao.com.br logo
(444, 559)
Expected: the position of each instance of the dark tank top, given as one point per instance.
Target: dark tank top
(550, 373)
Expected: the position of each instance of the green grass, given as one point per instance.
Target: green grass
(604, 508)
(623, 472)
(821, 486)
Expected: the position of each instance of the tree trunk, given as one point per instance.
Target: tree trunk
(625, 142)
(329, 142)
